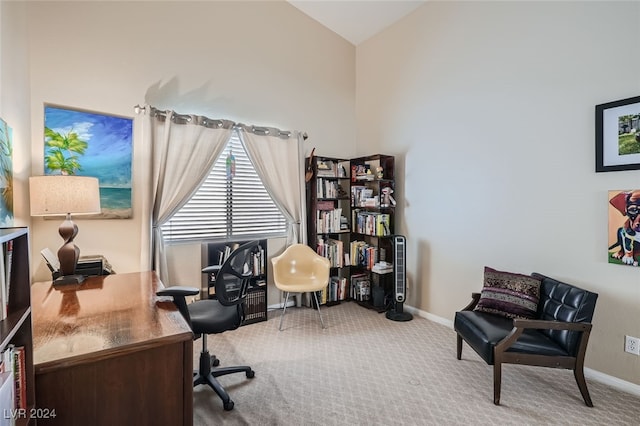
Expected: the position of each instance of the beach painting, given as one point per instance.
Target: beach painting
(85, 143)
(6, 175)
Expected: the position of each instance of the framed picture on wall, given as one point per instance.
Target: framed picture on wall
(624, 227)
(6, 175)
(87, 143)
(618, 135)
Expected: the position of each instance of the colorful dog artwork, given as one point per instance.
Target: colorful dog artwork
(624, 227)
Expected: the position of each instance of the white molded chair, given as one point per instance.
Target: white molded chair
(299, 269)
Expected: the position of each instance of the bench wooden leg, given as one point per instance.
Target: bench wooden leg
(497, 379)
(582, 385)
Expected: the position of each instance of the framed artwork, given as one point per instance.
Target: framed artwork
(6, 175)
(618, 135)
(85, 143)
(624, 227)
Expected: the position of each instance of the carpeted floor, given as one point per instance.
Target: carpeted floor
(364, 369)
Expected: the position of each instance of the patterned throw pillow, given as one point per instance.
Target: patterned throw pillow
(509, 295)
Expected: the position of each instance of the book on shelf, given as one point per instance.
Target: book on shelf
(20, 377)
(328, 189)
(326, 168)
(328, 221)
(382, 267)
(7, 397)
(360, 287)
(363, 254)
(337, 289)
(258, 262)
(371, 223)
(332, 249)
(13, 362)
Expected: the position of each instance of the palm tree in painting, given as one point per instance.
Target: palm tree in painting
(61, 151)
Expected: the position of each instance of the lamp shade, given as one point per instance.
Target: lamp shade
(60, 195)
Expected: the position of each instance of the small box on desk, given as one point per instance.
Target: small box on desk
(94, 265)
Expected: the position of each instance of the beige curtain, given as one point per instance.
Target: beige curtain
(183, 150)
(278, 158)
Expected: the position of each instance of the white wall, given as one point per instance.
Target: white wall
(14, 99)
(261, 63)
(489, 107)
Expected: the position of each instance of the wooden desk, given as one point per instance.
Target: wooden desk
(110, 352)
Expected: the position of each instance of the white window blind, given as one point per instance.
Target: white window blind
(227, 209)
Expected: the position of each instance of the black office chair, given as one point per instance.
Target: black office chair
(223, 313)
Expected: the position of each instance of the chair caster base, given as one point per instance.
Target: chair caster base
(228, 406)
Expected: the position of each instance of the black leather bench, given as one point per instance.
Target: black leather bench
(556, 338)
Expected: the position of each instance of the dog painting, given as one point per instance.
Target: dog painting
(624, 227)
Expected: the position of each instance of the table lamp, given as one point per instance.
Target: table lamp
(55, 195)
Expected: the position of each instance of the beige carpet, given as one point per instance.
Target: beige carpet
(367, 370)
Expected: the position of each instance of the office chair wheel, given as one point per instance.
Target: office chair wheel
(215, 361)
(228, 406)
(251, 374)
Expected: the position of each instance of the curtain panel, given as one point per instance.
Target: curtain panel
(278, 160)
(183, 149)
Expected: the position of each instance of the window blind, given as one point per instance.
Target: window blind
(227, 208)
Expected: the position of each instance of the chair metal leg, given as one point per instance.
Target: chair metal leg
(205, 375)
(315, 294)
(286, 300)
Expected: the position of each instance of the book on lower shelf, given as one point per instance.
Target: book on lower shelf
(13, 363)
(360, 287)
(7, 397)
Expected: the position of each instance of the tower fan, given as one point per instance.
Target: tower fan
(399, 281)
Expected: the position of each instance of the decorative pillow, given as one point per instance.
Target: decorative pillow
(509, 295)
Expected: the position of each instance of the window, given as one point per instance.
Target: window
(227, 209)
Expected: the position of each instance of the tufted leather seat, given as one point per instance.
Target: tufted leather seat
(557, 338)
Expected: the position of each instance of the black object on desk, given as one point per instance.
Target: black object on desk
(91, 265)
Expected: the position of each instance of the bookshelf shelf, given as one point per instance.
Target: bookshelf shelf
(15, 326)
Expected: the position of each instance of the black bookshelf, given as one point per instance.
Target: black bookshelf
(215, 253)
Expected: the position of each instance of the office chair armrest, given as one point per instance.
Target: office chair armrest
(178, 291)
(211, 268)
(179, 295)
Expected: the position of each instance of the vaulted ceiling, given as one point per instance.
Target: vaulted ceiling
(356, 21)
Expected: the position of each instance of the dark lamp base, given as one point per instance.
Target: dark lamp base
(68, 279)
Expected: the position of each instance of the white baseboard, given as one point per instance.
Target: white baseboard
(614, 382)
(603, 378)
(430, 317)
(280, 305)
